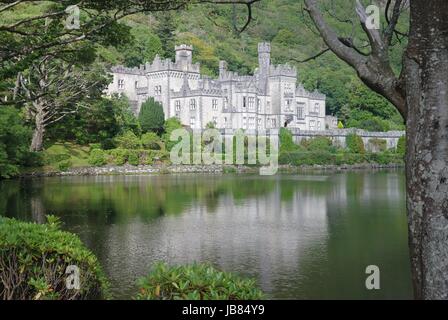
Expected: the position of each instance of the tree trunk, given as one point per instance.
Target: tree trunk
(37, 144)
(426, 72)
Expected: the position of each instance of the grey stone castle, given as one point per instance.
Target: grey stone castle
(269, 99)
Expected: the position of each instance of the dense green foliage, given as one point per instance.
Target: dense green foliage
(103, 120)
(171, 124)
(14, 143)
(195, 282)
(151, 116)
(97, 157)
(355, 144)
(34, 259)
(321, 151)
(401, 146)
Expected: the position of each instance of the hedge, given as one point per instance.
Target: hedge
(34, 260)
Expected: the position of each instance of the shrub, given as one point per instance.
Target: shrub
(286, 141)
(386, 157)
(97, 157)
(195, 282)
(128, 140)
(119, 156)
(34, 259)
(378, 145)
(401, 145)
(146, 157)
(318, 144)
(151, 116)
(171, 124)
(355, 144)
(34, 159)
(52, 159)
(94, 146)
(107, 144)
(133, 158)
(349, 158)
(151, 141)
(64, 165)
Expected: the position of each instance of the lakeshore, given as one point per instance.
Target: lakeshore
(206, 169)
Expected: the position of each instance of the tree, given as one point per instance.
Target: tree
(144, 48)
(151, 116)
(98, 21)
(165, 30)
(52, 89)
(14, 142)
(105, 118)
(420, 94)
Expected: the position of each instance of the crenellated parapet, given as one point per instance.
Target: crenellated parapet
(283, 70)
(124, 70)
(159, 64)
(302, 92)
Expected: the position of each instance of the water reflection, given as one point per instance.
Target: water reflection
(301, 236)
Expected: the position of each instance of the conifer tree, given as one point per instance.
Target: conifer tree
(151, 116)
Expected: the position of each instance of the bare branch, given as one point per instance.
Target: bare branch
(322, 52)
(373, 69)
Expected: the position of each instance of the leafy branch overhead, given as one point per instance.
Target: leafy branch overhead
(99, 23)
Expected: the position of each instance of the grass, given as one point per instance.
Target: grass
(75, 155)
(78, 154)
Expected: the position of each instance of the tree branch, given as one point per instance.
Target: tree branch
(322, 52)
(373, 69)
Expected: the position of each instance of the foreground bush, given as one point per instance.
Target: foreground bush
(195, 282)
(34, 259)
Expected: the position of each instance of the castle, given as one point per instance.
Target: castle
(269, 99)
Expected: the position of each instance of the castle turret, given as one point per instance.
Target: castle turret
(184, 54)
(264, 57)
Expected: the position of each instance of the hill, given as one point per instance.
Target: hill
(284, 23)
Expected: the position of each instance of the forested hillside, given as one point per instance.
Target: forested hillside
(212, 30)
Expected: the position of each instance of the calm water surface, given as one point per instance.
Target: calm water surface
(306, 236)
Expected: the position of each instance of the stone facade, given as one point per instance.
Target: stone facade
(269, 99)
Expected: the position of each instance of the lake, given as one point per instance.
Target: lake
(302, 236)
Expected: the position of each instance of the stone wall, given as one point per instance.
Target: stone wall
(338, 136)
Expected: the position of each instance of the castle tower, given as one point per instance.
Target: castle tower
(264, 64)
(184, 55)
(264, 57)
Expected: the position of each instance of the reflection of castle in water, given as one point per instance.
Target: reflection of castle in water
(259, 234)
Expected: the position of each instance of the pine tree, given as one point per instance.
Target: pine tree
(151, 116)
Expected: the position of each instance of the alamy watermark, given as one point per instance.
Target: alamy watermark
(72, 282)
(210, 147)
(373, 280)
(72, 22)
